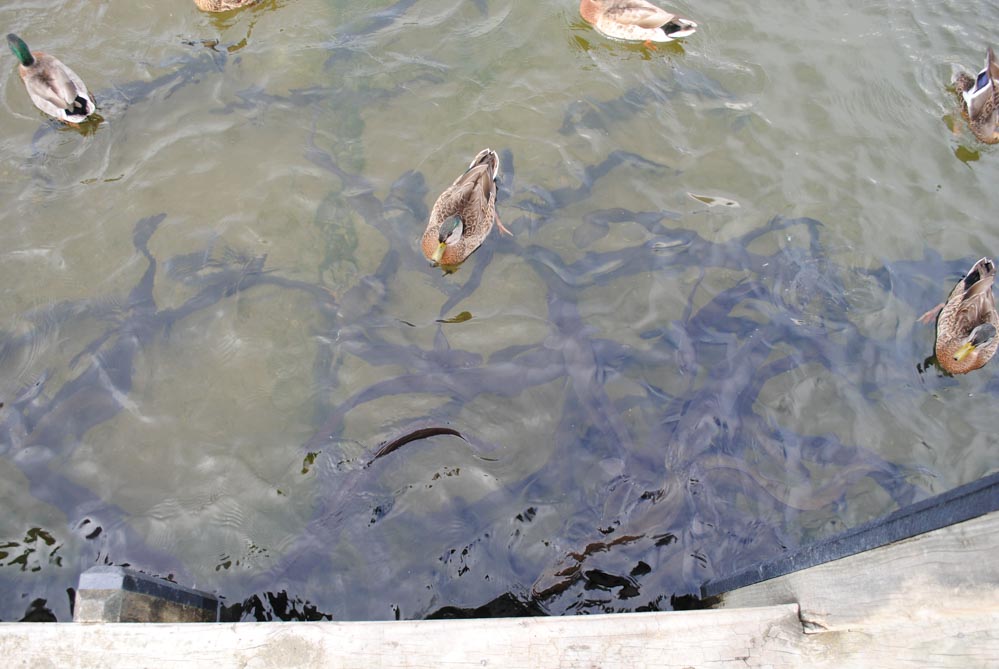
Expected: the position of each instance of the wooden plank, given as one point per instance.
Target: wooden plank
(965, 502)
(755, 637)
(744, 638)
(920, 582)
(960, 640)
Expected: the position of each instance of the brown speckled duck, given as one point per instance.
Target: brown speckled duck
(464, 214)
(635, 20)
(980, 100)
(222, 5)
(967, 321)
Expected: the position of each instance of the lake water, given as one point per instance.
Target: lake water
(699, 349)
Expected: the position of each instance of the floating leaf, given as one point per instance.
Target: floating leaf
(308, 461)
(460, 318)
(966, 155)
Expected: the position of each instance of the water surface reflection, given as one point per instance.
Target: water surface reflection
(217, 310)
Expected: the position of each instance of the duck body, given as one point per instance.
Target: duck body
(464, 213)
(52, 86)
(968, 321)
(222, 5)
(635, 20)
(980, 99)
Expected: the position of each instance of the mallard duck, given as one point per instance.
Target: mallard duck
(464, 213)
(967, 321)
(980, 99)
(222, 5)
(53, 87)
(635, 20)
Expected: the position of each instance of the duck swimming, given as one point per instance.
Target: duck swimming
(967, 321)
(635, 20)
(463, 215)
(980, 100)
(54, 88)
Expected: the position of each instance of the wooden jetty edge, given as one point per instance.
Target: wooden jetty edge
(919, 588)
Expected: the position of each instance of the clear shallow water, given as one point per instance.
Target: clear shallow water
(215, 307)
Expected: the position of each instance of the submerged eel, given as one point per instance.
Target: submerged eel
(415, 435)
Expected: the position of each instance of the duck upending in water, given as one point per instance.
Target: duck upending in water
(54, 88)
(967, 321)
(635, 20)
(222, 5)
(980, 99)
(463, 215)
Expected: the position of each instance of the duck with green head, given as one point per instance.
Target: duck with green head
(54, 88)
(980, 99)
(464, 214)
(967, 322)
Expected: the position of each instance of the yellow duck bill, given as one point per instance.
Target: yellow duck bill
(438, 254)
(963, 352)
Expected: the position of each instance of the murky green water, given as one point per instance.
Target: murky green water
(659, 372)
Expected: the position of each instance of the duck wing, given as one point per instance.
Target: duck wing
(53, 82)
(977, 304)
(639, 13)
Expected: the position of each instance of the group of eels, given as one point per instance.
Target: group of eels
(641, 512)
(643, 515)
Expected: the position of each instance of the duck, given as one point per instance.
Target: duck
(980, 101)
(967, 322)
(222, 5)
(464, 213)
(54, 88)
(635, 20)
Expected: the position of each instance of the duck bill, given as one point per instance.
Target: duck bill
(963, 352)
(439, 253)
